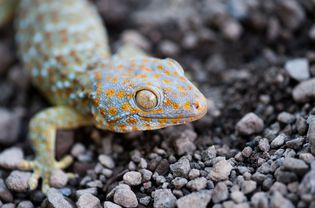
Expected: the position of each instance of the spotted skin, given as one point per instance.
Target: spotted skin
(63, 47)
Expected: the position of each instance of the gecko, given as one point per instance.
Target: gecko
(63, 46)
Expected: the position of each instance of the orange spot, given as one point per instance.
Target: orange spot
(132, 120)
(115, 79)
(103, 112)
(156, 76)
(180, 88)
(110, 92)
(112, 111)
(187, 106)
(182, 78)
(160, 67)
(167, 102)
(130, 69)
(162, 120)
(98, 75)
(166, 81)
(125, 106)
(120, 94)
(189, 88)
(183, 94)
(145, 68)
(120, 66)
(175, 106)
(167, 73)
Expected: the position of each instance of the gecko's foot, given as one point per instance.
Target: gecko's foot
(44, 170)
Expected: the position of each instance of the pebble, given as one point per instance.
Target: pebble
(304, 92)
(298, 69)
(180, 168)
(10, 123)
(132, 178)
(77, 149)
(295, 143)
(58, 179)
(179, 182)
(135, 38)
(9, 158)
(109, 204)
(125, 197)
(238, 197)
(146, 174)
(247, 151)
(163, 167)
(197, 184)
(106, 161)
(307, 157)
(163, 198)
(209, 153)
(311, 33)
(198, 199)
(296, 165)
(25, 204)
(260, 200)
(286, 117)
(264, 145)
(88, 201)
(18, 181)
(5, 194)
(193, 173)
(8, 205)
(232, 30)
(185, 143)
(278, 201)
(220, 193)
(56, 199)
(311, 132)
(92, 191)
(168, 48)
(145, 200)
(278, 141)
(221, 170)
(250, 124)
(248, 186)
(291, 13)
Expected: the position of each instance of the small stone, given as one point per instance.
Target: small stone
(238, 196)
(25, 204)
(9, 126)
(185, 143)
(180, 168)
(198, 199)
(278, 141)
(291, 13)
(304, 92)
(311, 33)
(18, 181)
(296, 165)
(135, 38)
(92, 191)
(56, 199)
(260, 200)
(8, 205)
(295, 143)
(220, 193)
(179, 182)
(247, 151)
(163, 198)
(307, 184)
(125, 197)
(109, 204)
(163, 167)
(248, 186)
(58, 178)
(209, 153)
(5, 194)
(168, 48)
(298, 69)
(145, 200)
(286, 117)
(77, 149)
(132, 178)
(264, 145)
(197, 184)
(307, 157)
(9, 158)
(278, 201)
(221, 170)
(106, 161)
(193, 173)
(88, 201)
(311, 132)
(250, 124)
(232, 30)
(146, 174)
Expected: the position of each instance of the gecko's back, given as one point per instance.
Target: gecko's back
(57, 40)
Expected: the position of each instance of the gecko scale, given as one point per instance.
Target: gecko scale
(64, 48)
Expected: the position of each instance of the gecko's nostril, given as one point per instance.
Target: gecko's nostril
(196, 105)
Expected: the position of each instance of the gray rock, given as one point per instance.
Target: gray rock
(193, 173)
(311, 33)
(298, 69)
(278, 201)
(11, 157)
(146, 174)
(106, 161)
(220, 193)
(58, 179)
(125, 197)
(56, 199)
(163, 198)
(286, 117)
(307, 184)
(295, 143)
(109, 204)
(25, 204)
(250, 124)
(279, 187)
(231, 29)
(304, 92)
(180, 168)
(311, 131)
(221, 170)
(209, 153)
(238, 197)
(8, 205)
(248, 186)
(291, 13)
(307, 157)
(179, 182)
(5, 194)
(264, 145)
(198, 199)
(77, 149)
(185, 143)
(92, 191)
(260, 200)
(168, 48)
(9, 126)
(145, 200)
(88, 201)
(278, 141)
(135, 38)
(247, 151)
(18, 181)
(296, 165)
(132, 178)
(197, 184)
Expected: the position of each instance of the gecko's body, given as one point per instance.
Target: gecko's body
(63, 46)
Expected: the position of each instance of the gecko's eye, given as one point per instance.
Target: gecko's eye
(146, 99)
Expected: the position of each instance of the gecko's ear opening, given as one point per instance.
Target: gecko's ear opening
(176, 65)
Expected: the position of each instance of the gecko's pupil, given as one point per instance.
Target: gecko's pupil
(146, 99)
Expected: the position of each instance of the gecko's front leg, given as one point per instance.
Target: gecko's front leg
(42, 133)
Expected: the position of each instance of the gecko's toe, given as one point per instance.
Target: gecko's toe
(33, 180)
(64, 162)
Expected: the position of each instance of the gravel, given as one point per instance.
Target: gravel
(221, 170)
(125, 197)
(298, 69)
(11, 157)
(250, 124)
(58, 179)
(88, 201)
(163, 198)
(18, 181)
(304, 92)
(198, 199)
(9, 126)
(197, 184)
(56, 199)
(132, 178)
(295, 165)
(220, 192)
(180, 168)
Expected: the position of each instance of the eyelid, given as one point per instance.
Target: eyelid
(154, 90)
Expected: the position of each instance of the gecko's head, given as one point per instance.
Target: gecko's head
(144, 94)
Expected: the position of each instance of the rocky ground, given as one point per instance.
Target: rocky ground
(255, 62)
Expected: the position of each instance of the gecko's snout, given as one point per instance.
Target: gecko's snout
(199, 106)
